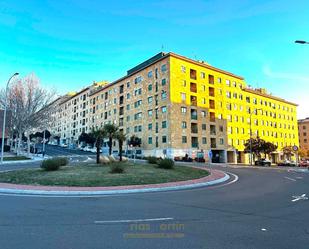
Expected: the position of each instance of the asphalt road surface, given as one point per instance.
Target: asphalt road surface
(257, 211)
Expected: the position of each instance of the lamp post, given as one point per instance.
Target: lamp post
(301, 42)
(251, 134)
(4, 115)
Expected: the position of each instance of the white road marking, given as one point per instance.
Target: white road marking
(290, 178)
(130, 221)
(264, 229)
(301, 197)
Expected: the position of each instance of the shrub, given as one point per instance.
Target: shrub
(152, 160)
(117, 168)
(166, 163)
(50, 164)
(63, 161)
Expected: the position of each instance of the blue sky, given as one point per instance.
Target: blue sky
(70, 43)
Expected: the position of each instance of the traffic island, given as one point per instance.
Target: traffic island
(98, 180)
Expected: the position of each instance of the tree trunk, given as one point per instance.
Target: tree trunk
(120, 150)
(98, 154)
(110, 145)
(28, 145)
(19, 142)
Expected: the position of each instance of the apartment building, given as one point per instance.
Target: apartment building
(303, 128)
(180, 106)
(73, 115)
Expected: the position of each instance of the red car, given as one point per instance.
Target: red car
(304, 163)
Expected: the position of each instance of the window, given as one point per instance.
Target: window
(164, 139)
(149, 140)
(219, 80)
(163, 68)
(138, 92)
(183, 124)
(163, 82)
(149, 74)
(150, 87)
(203, 113)
(204, 140)
(228, 82)
(149, 100)
(202, 75)
(183, 109)
(163, 95)
(184, 139)
(138, 79)
(183, 96)
(163, 109)
(183, 83)
(150, 126)
(149, 113)
(183, 69)
(204, 127)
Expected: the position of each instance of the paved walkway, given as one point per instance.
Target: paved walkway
(215, 177)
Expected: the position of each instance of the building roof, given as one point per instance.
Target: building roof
(258, 92)
(305, 120)
(158, 57)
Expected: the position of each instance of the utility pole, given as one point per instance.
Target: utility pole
(4, 115)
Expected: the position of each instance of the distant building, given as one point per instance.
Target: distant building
(303, 130)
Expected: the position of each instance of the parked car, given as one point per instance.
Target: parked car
(262, 162)
(304, 163)
(287, 163)
(87, 148)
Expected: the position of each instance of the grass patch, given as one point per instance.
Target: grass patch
(15, 158)
(88, 175)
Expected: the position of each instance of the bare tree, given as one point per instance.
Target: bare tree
(27, 102)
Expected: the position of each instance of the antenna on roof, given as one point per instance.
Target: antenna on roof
(162, 48)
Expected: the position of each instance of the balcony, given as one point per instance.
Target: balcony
(193, 87)
(193, 74)
(212, 130)
(211, 104)
(194, 114)
(213, 143)
(211, 91)
(194, 128)
(211, 79)
(193, 100)
(212, 117)
(121, 100)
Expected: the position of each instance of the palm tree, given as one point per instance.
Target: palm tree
(121, 137)
(134, 142)
(110, 131)
(99, 135)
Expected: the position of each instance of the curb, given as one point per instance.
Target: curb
(77, 193)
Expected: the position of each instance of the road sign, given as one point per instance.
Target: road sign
(295, 148)
(210, 154)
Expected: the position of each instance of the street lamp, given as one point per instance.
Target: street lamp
(301, 42)
(256, 110)
(4, 115)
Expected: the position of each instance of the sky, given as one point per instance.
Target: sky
(69, 44)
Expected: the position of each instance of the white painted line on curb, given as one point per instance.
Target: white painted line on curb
(130, 221)
(291, 179)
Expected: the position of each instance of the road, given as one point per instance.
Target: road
(257, 211)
